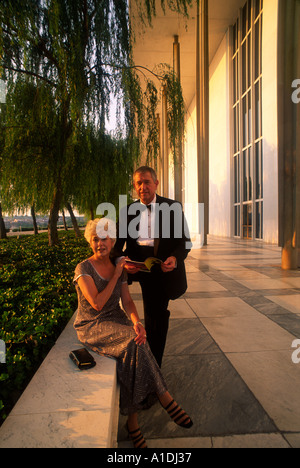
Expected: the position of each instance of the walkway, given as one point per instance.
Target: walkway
(228, 359)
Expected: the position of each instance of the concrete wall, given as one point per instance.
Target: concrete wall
(269, 120)
(191, 170)
(219, 148)
(219, 143)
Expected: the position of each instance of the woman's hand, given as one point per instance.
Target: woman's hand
(131, 269)
(141, 334)
(119, 268)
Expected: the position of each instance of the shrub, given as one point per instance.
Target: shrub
(37, 299)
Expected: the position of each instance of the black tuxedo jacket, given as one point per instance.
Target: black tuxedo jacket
(172, 240)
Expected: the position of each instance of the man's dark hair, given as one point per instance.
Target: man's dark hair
(144, 169)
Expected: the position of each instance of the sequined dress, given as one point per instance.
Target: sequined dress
(110, 333)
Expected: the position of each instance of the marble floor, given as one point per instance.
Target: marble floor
(228, 359)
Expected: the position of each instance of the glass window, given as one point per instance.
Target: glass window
(246, 175)
(249, 5)
(235, 38)
(257, 7)
(250, 165)
(259, 220)
(236, 129)
(247, 221)
(247, 121)
(237, 221)
(249, 118)
(235, 88)
(244, 67)
(247, 171)
(257, 103)
(249, 61)
(244, 21)
(257, 49)
(260, 51)
(237, 179)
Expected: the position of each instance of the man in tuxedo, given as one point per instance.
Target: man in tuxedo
(155, 226)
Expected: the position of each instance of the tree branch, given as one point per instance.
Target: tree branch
(26, 72)
(137, 67)
(43, 49)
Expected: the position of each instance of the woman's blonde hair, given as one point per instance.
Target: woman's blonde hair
(103, 227)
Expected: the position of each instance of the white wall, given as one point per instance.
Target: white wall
(269, 120)
(219, 143)
(191, 171)
(219, 150)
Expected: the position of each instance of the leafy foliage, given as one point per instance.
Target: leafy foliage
(37, 299)
(31, 146)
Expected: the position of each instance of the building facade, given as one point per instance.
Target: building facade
(238, 62)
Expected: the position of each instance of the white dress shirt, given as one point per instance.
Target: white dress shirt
(147, 225)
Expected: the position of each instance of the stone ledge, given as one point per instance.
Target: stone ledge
(65, 407)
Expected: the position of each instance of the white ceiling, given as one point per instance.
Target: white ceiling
(154, 45)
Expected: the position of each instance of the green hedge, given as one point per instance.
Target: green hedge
(37, 299)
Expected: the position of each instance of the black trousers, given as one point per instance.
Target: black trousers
(156, 315)
(156, 304)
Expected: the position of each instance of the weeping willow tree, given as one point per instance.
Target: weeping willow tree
(93, 159)
(101, 166)
(80, 52)
(29, 171)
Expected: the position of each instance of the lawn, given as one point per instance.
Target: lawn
(37, 299)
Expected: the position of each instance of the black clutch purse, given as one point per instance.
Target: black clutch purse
(82, 358)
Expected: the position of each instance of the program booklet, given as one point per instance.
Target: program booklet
(146, 265)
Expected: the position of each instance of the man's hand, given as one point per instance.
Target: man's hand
(169, 265)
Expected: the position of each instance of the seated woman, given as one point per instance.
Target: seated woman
(105, 328)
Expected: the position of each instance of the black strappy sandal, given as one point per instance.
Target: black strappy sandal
(137, 438)
(177, 414)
